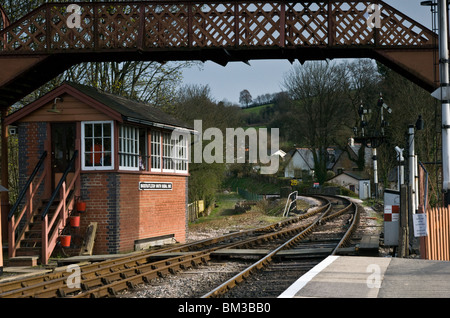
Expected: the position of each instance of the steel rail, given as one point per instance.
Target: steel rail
(355, 221)
(110, 288)
(139, 257)
(238, 278)
(54, 284)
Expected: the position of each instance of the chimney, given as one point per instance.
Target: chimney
(351, 142)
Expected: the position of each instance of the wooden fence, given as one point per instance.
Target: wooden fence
(435, 246)
(195, 209)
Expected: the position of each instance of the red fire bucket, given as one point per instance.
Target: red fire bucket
(74, 221)
(65, 240)
(81, 206)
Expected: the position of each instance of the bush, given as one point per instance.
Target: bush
(347, 192)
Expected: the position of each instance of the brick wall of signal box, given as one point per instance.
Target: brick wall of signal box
(31, 139)
(125, 214)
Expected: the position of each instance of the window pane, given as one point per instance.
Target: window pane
(107, 144)
(88, 130)
(98, 141)
(88, 144)
(107, 159)
(107, 130)
(98, 130)
(87, 159)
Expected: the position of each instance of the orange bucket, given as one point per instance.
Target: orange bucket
(81, 206)
(65, 240)
(74, 221)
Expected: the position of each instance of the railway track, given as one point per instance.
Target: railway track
(290, 271)
(109, 278)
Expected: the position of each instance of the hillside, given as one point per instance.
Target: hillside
(258, 115)
(251, 185)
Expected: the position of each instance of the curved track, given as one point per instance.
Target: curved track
(108, 278)
(351, 217)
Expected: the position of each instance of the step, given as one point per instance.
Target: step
(30, 233)
(31, 240)
(31, 260)
(45, 201)
(28, 251)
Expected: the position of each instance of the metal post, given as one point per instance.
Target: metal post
(444, 82)
(403, 233)
(1, 246)
(4, 173)
(412, 160)
(416, 184)
(2, 189)
(401, 171)
(375, 171)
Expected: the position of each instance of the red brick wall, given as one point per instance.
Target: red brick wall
(124, 214)
(32, 137)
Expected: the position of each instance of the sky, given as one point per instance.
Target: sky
(266, 76)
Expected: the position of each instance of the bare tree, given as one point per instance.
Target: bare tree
(364, 89)
(245, 98)
(323, 109)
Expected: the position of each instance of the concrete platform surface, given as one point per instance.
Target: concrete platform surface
(373, 277)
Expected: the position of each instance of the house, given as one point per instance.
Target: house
(356, 181)
(301, 160)
(127, 161)
(345, 160)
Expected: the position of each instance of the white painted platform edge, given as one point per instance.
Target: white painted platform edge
(303, 280)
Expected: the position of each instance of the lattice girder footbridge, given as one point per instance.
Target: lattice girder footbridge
(43, 44)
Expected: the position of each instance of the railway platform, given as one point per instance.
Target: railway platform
(373, 277)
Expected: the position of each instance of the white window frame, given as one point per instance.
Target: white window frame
(173, 156)
(168, 145)
(155, 134)
(128, 148)
(83, 144)
(180, 156)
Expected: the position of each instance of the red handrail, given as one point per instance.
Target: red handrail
(51, 228)
(28, 209)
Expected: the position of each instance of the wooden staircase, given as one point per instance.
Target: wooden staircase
(34, 230)
(30, 247)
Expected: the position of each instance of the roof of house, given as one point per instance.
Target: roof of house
(129, 110)
(358, 175)
(307, 156)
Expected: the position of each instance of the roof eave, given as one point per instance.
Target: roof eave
(159, 125)
(63, 89)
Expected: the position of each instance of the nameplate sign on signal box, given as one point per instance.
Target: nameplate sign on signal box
(155, 186)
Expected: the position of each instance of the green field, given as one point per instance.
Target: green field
(256, 110)
(251, 185)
